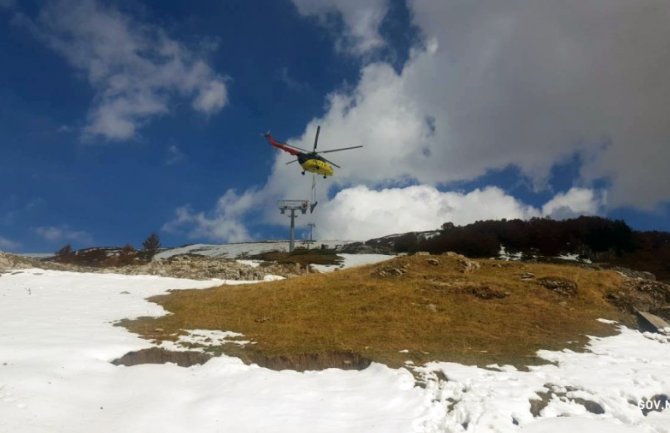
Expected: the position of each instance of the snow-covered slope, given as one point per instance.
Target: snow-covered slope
(57, 340)
(234, 250)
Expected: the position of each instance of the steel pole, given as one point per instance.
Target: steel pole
(292, 239)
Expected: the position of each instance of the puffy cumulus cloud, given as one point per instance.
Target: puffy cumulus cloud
(63, 234)
(575, 202)
(528, 84)
(497, 84)
(361, 19)
(224, 223)
(360, 213)
(136, 69)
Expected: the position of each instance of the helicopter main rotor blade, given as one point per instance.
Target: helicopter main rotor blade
(316, 138)
(291, 162)
(339, 150)
(331, 162)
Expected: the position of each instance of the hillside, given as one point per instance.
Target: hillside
(411, 309)
(591, 239)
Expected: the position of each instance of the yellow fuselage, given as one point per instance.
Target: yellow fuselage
(318, 167)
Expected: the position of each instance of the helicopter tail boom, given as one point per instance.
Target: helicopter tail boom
(283, 146)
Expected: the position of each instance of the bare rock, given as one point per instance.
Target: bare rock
(481, 291)
(651, 322)
(560, 285)
(638, 294)
(465, 265)
(631, 273)
(9, 262)
(526, 276)
(389, 271)
(157, 355)
(486, 292)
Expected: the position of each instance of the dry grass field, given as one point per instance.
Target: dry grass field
(414, 308)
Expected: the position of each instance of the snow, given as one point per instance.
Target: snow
(573, 257)
(58, 337)
(617, 373)
(252, 263)
(238, 249)
(195, 339)
(57, 340)
(352, 260)
(504, 255)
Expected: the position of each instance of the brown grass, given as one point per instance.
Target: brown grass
(435, 311)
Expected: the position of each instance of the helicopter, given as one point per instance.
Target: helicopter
(309, 161)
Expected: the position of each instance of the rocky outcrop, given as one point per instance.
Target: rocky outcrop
(387, 271)
(560, 285)
(186, 266)
(10, 262)
(640, 294)
(466, 265)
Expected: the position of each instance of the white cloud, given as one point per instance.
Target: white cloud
(527, 84)
(224, 223)
(575, 202)
(360, 213)
(6, 244)
(211, 97)
(63, 234)
(496, 84)
(361, 19)
(136, 69)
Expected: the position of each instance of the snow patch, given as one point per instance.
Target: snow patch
(208, 337)
(353, 260)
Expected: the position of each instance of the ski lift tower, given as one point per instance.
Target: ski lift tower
(311, 230)
(291, 206)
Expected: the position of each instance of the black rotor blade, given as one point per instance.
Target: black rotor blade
(339, 150)
(331, 162)
(291, 162)
(316, 138)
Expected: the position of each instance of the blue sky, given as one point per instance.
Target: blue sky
(120, 118)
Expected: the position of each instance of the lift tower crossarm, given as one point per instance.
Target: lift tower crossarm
(292, 206)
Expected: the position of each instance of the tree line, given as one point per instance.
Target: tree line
(127, 255)
(594, 238)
